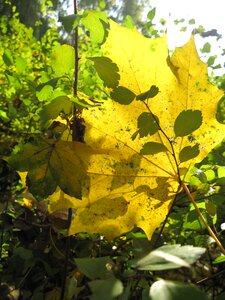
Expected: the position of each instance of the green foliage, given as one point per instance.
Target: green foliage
(23, 64)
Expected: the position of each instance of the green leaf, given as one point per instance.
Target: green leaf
(206, 48)
(221, 172)
(52, 163)
(128, 22)
(71, 287)
(219, 260)
(44, 93)
(210, 207)
(201, 240)
(192, 220)
(169, 290)
(7, 57)
(62, 59)
(191, 21)
(122, 95)
(70, 22)
(151, 148)
(187, 122)
(147, 124)
(3, 116)
(210, 174)
(13, 80)
(106, 289)
(97, 23)
(102, 4)
(151, 93)
(107, 70)
(21, 64)
(151, 14)
(95, 268)
(34, 158)
(169, 257)
(53, 109)
(211, 60)
(188, 153)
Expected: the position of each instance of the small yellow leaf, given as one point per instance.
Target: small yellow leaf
(25, 202)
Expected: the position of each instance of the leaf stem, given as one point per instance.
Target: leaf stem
(168, 139)
(212, 234)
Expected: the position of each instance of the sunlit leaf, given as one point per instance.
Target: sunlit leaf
(51, 163)
(62, 59)
(7, 57)
(21, 64)
(128, 22)
(52, 110)
(165, 290)
(169, 257)
(96, 22)
(151, 14)
(121, 187)
(44, 93)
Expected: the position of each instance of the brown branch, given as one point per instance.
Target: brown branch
(74, 138)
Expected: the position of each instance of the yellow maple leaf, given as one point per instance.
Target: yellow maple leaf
(125, 186)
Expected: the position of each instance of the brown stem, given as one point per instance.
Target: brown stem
(212, 234)
(75, 84)
(74, 138)
(67, 253)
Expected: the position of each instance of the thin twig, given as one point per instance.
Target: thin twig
(67, 252)
(212, 234)
(165, 221)
(75, 87)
